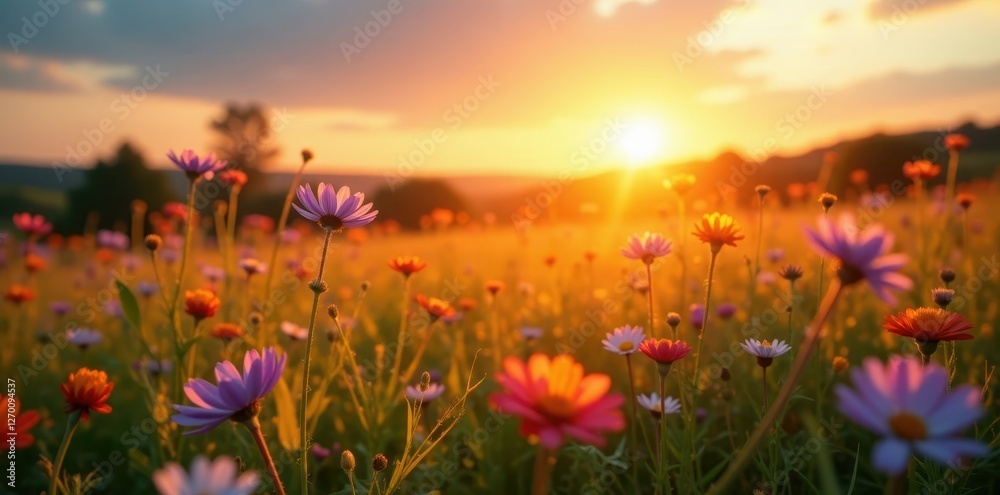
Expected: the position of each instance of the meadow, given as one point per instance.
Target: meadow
(432, 362)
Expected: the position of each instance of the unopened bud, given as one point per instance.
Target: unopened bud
(379, 463)
(347, 461)
(332, 311)
(153, 242)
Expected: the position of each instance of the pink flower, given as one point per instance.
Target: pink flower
(32, 225)
(556, 400)
(647, 247)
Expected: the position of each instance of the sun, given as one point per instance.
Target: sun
(642, 142)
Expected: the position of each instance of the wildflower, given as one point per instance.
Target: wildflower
(827, 200)
(319, 452)
(765, 351)
(226, 332)
(956, 142)
(909, 406)
(214, 274)
(294, 331)
(153, 367)
(153, 242)
(233, 177)
(114, 308)
(762, 190)
(34, 263)
(531, 333)
(60, 308)
(334, 210)
(624, 340)
(112, 240)
(219, 477)
(434, 390)
(87, 390)
(654, 405)
(928, 326)
(647, 247)
(775, 255)
(201, 303)
(790, 272)
(235, 397)
(466, 304)
(83, 337)
(965, 200)
(21, 422)
(673, 319)
(718, 229)
(555, 400)
(379, 462)
(921, 170)
(680, 184)
(32, 225)
(347, 461)
(18, 294)
(863, 255)
(550, 260)
(840, 363)
(252, 266)
(435, 308)
(196, 167)
(697, 315)
(942, 297)
(407, 265)
(726, 310)
(147, 289)
(665, 352)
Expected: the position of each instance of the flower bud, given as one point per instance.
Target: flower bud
(307, 155)
(379, 463)
(840, 363)
(332, 311)
(347, 461)
(942, 297)
(947, 275)
(673, 319)
(153, 242)
(425, 381)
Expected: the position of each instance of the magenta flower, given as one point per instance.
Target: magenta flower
(646, 247)
(434, 390)
(909, 406)
(206, 477)
(236, 397)
(863, 255)
(32, 225)
(195, 166)
(83, 337)
(332, 209)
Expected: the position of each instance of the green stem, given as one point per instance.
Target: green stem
(664, 470)
(397, 359)
(71, 424)
(317, 288)
(704, 325)
(633, 419)
(174, 313)
(285, 209)
(801, 360)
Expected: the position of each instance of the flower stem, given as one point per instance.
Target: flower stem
(649, 281)
(801, 360)
(285, 209)
(175, 316)
(317, 288)
(633, 419)
(258, 437)
(764, 381)
(397, 360)
(952, 176)
(545, 460)
(664, 471)
(760, 236)
(704, 325)
(71, 424)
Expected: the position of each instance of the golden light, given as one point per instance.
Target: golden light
(642, 142)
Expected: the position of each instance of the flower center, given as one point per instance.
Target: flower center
(626, 346)
(908, 426)
(330, 222)
(557, 406)
(765, 343)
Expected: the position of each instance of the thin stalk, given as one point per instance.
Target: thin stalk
(633, 420)
(258, 437)
(952, 176)
(71, 424)
(683, 255)
(285, 209)
(544, 462)
(317, 288)
(801, 360)
(760, 235)
(663, 469)
(704, 324)
(174, 313)
(649, 281)
(764, 381)
(412, 368)
(350, 477)
(397, 360)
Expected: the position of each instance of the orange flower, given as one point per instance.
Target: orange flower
(226, 331)
(105, 256)
(680, 184)
(442, 217)
(494, 286)
(435, 308)
(550, 260)
(87, 390)
(956, 142)
(589, 256)
(407, 265)
(930, 325)
(921, 169)
(201, 303)
(718, 229)
(34, 263)
(859, 176)
(466, 304)
(23, 422)
(18, 294)
(965, 200)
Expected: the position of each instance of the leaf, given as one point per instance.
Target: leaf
(187, 345)
(288, 429)
(130, 306)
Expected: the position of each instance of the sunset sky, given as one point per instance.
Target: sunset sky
(474, 87)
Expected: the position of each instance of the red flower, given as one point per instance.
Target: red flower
(23, 422)
(436, 308)
(87, 390)
(956, 142)
(201, 303)
(18, 294)
(664, 351)
(233, 177)
(921, 169)
(929, 325)
(407, 265)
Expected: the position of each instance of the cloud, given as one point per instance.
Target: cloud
(883, 9)
(27, 73)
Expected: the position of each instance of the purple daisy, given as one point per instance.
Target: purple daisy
(112, 240)
(908, 404)
(646, 247)
(863, 255)
(221, 477)
(334, 209)
(61, 308)
(236, 397)
(195, 166)
(434, 390)
(83, 337)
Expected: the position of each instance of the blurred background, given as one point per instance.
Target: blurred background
(503, 110)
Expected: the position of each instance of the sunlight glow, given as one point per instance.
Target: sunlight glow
(643, 142)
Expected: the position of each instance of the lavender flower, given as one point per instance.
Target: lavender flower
(60, 308)
(206, 478)
(83, 337)
(334, 210)
(147, 289)
(112, 240)
(654, 405)
(647, 247)
(195, 166)
(434, 390)
(236, 397)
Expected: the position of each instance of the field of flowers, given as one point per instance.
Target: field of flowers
(812, 345)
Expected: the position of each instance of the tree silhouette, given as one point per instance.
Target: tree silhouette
(415, 198)
(245, 138)
(110, 187)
